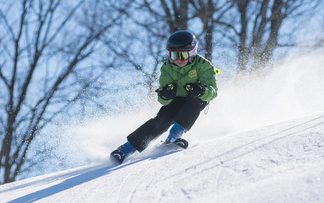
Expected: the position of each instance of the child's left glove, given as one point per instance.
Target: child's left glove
(194, 90)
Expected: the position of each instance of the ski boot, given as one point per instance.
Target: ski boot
(119, 155)
(174, 137)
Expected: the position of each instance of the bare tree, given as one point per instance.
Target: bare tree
(157, 19)
(210, 13)
(184, 14)
(257, 33)
(251, 28)
(43, 70)
(174, 13)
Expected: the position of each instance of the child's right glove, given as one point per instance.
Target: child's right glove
(194, 90)
(167, 92)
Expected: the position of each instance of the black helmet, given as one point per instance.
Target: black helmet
(183, 40)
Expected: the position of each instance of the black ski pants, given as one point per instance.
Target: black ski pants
(183, 110)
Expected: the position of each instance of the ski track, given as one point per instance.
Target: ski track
(121, 187)
(135, 185)
(245, 149)
(218, 175)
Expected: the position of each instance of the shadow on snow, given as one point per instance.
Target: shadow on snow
(85, 177)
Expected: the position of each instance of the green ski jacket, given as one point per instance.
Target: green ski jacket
(200, 70)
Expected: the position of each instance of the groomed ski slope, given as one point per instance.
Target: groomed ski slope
(278, 163)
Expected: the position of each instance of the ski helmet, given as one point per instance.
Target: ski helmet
(183, 40)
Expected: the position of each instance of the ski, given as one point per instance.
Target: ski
(117, 156)
(180, 142)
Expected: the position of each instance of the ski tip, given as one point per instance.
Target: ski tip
(181, 143)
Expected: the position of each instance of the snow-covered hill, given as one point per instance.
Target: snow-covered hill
(248, 148)
(278, 163)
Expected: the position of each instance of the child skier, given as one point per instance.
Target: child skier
(187, 85)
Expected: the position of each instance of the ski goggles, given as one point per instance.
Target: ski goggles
(178, 55)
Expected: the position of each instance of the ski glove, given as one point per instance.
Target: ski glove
(167, 92)
(194, 90)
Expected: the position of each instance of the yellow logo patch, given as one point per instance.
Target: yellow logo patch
(192, 74)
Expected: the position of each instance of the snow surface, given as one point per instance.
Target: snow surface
(277, 163)
(261, 141)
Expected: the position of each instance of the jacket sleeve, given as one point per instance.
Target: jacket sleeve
(164, 80)
(208, 79)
